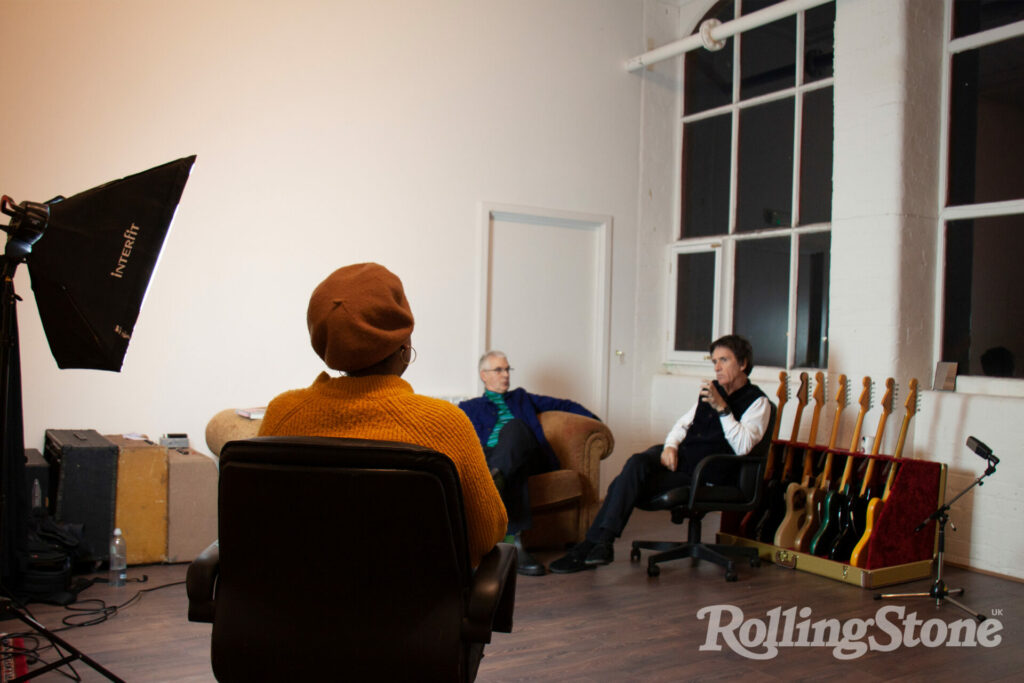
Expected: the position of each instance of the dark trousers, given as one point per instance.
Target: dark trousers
(517, 455)
(641, 478)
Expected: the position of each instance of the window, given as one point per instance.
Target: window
(983, 208)
(752, 254)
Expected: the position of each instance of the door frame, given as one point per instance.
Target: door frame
(602, 224)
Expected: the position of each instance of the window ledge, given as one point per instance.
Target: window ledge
(761, 375)
(990, 386)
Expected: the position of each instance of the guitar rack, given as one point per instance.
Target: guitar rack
(895, 552)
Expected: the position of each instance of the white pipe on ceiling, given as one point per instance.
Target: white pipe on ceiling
(712, 34)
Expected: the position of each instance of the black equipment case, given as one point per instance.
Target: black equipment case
(83, 485)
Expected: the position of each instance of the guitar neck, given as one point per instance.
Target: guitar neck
(865, 404)
(782, 395)
(787, 467)
(911, 408)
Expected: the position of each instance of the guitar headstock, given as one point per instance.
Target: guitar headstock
(783, 393)
(890, 393)
(865, 396)
(801, 392)
(911, 403)
(819, 387)
(841, 397)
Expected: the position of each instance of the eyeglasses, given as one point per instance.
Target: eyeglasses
(500, 370)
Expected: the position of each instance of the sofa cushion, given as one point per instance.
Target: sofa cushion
(554, 488)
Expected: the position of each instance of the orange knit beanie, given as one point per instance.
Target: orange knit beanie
(358, 316)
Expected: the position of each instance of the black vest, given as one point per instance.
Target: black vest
(705, 436)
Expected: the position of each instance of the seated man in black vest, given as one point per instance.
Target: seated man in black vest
(731, 416)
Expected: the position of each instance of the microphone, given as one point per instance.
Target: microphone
(982, 450)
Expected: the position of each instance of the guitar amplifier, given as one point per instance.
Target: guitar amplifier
(83, 478)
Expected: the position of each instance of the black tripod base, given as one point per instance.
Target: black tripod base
(8, 609)
(940, 593)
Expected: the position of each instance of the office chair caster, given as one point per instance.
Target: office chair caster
(634, 555)
(653, 569)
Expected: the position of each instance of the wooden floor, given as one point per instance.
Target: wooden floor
(610, 624)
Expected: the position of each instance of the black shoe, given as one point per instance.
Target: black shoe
(526, 564)
(601, 553)
(574, 560)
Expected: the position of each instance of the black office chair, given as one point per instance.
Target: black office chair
(693, 502)
(345, 559)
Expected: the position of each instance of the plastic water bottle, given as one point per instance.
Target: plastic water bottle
(118, 560)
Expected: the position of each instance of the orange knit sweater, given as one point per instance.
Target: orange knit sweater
(384, 407)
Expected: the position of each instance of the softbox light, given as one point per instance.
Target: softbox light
(92, 266)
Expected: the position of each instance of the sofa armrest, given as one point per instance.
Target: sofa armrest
(200, 584)
(227, 425)
(580, 442)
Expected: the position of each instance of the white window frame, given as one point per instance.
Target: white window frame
(953, 46)
(725, 245)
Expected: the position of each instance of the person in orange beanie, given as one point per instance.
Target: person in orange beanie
(360, 323)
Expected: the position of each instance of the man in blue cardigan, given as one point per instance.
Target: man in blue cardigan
(509, 430)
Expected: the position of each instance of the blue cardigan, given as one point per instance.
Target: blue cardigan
(525, 406)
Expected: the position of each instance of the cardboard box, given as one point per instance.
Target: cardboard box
(192, 503)
(141, 509)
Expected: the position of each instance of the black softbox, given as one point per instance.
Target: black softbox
(92, 266)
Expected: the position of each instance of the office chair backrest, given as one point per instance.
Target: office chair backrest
(339, 558)
(750, 478)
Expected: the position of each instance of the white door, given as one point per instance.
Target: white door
(546, 287)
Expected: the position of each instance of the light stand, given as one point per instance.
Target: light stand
(7, 606)
(27, 226)
(89, 273)
(939, 590)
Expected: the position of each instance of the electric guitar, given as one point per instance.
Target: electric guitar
(856, 508)
(816, 498)
(797, 493)
(748, 523)
(859, 556)
(776, 492)
(832, 509)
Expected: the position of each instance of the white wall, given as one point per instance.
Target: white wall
(327, 133)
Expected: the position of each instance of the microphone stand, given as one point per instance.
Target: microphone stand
(939, 590)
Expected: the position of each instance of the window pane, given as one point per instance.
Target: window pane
(761, 298)
(812, 301)
(819, 42)
(972, 16)
(986, 120)
(695, 288)
(816, 158)
(708, 79)
(983, 295)
(706, 149)
(768, 54)
(765, 179)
